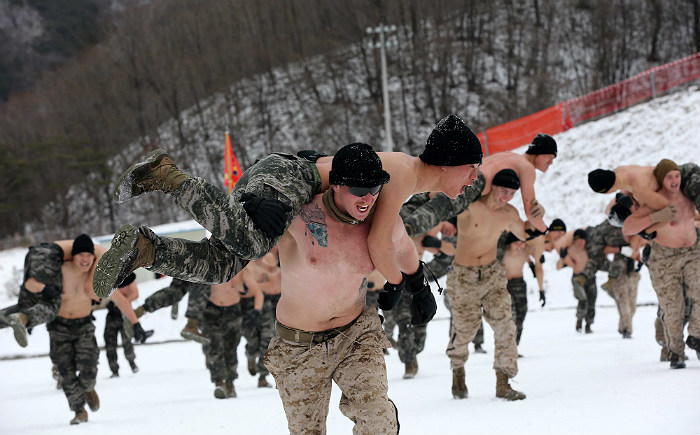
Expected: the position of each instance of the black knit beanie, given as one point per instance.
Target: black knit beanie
(506, 178)
(452, 143)
(580, 234)
(357, 165)
(82, 243)
(542, 144)
(510, 238)
(601, 180)
(557, 225)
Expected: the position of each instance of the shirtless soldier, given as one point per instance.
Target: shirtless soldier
(674, 261)
(478, 282)
(248, 223)
(325, 332)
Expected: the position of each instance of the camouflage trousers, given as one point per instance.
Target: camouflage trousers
(690, 182)
(372, 299)
(165, 297)
(672, 269)
(235, 238)
(74, 351)
(43, 312)
(518, 295)
(477, 290)
(625, 291)
(479, 337)
(114, 326)
(222, 325)
(597, 238)
(389, 323)
(441, 208)
(586, 296)
(411, 339)
(354, 361)
(258, 338)
(266, 330)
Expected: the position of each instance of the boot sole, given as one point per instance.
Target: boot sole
(115, 264)
(125, 186)
(219, 393)
(19, 330)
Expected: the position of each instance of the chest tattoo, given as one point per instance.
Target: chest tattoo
(315, 220)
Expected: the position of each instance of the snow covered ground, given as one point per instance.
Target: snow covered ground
(575, 383)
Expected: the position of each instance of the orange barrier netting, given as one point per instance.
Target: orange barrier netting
(610, 99)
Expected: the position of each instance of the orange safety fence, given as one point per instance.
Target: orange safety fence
(607, 100)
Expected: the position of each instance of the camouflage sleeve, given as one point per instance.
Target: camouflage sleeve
(442, 208)
(690, 182)
(44, 263)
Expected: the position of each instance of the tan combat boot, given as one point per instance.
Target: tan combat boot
(18, 323)
(157, 172)
(80, 417)
(579, 323)
(191, 332)
(129, 251)
(140, 311)
(251, 367)
(92, 400)
(459, 387)
(411, 369)
(503, 389)
(220, 391)
(609, 287)
(262, 382)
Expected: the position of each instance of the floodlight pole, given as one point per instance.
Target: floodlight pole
(382, 30)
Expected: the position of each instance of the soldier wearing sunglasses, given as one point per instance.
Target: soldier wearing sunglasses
(248, 223)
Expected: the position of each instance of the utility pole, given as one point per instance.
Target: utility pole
(382, 45)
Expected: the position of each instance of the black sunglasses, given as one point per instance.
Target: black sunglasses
(362, 191)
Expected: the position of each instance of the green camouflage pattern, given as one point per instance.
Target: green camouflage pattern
(671, 270)
(178, 288)
(251, 335)
(441, 208)
(690, 182)
(222, 325)
(518, 295)
(266, 330)
(586, 296)
(597, 238)
(354, 361)
(284, 177)
(113, 327)
(411, 339)
(74, 351)
(476, 292)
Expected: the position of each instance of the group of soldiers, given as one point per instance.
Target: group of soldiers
(308, 248)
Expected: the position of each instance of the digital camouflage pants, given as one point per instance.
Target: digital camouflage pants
(477, 290)
(114, 326)
(222, 325)
(586, 296)
(165, 297)
(518, 295)
(266, 331)
(235, 238)
(597, 238)
(354, 361)
(625, 290)
(411, 339)
(672, 269)
(690, 182)
(479, 337)
(74, 352)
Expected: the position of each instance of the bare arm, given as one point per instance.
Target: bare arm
(637, 221)
(122, 303)
(34, 286)
(406, 253)
(527, 190)
(381, 240)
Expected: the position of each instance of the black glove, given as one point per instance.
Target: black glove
(252, 319)
(542, 298)
(532, 267)
(51, 291)
(390, 297)
(423, 307)
(563, 253)
(370, 284)
(140, 335)
(431, 242)
(270, 215)
(542, 259)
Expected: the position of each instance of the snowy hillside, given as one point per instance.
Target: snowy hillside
(576, 384)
